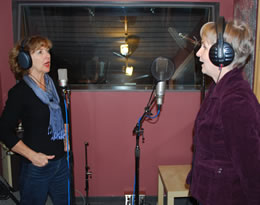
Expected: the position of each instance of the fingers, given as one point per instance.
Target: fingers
(41, 160)
(50, 156)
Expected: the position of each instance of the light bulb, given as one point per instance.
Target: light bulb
(129, 70)
(124, 49)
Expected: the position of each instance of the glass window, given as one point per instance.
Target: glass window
(99, 42)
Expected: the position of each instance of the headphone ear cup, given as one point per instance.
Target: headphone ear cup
(213, 54)
(229, 54)
(221, 53)
(24, 59)
(226, 59)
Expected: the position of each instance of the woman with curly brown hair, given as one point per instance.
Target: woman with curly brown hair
(35, 102)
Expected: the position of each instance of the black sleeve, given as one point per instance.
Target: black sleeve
(10, 117)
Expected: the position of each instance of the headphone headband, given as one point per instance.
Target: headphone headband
(23, 43)
(24, 57)
(220, 28)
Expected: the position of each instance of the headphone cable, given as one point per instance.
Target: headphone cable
(220, 69)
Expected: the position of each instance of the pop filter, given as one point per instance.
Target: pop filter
(162, 69)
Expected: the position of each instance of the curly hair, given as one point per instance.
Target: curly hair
(30, 44)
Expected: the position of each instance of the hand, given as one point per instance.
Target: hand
(40, 159)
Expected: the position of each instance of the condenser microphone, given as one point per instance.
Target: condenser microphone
(63, 77)
(160, 90)
(162, 70)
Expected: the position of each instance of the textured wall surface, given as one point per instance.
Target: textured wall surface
(247, 11)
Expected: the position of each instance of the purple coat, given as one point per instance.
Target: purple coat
(226, 164)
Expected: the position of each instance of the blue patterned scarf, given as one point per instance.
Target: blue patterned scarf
(51, 98)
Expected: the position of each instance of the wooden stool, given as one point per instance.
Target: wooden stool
(172, 179)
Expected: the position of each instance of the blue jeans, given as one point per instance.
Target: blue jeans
(37, 182)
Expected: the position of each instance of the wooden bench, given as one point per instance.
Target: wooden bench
(172, 179)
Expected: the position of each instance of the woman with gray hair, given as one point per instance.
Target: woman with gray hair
(226, 159)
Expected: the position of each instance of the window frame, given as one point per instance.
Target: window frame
(18, 5)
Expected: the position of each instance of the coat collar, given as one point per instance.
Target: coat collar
(227, 81)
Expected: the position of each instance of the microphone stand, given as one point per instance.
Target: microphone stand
(6, 191)
(66, 94)
(138, 131)
(87, 174)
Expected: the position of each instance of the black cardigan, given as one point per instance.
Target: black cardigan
(22, 104)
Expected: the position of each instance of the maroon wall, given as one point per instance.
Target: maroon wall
(106, 121)
(6, 42)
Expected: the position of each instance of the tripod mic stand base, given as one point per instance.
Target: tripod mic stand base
(6, 191)
(129, 198)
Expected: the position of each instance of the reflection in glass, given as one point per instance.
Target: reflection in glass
(87, 40)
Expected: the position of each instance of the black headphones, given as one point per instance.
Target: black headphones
(24, 57)
(221, 53)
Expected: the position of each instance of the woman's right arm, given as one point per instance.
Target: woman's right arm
(10, 116)
(38, 159)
